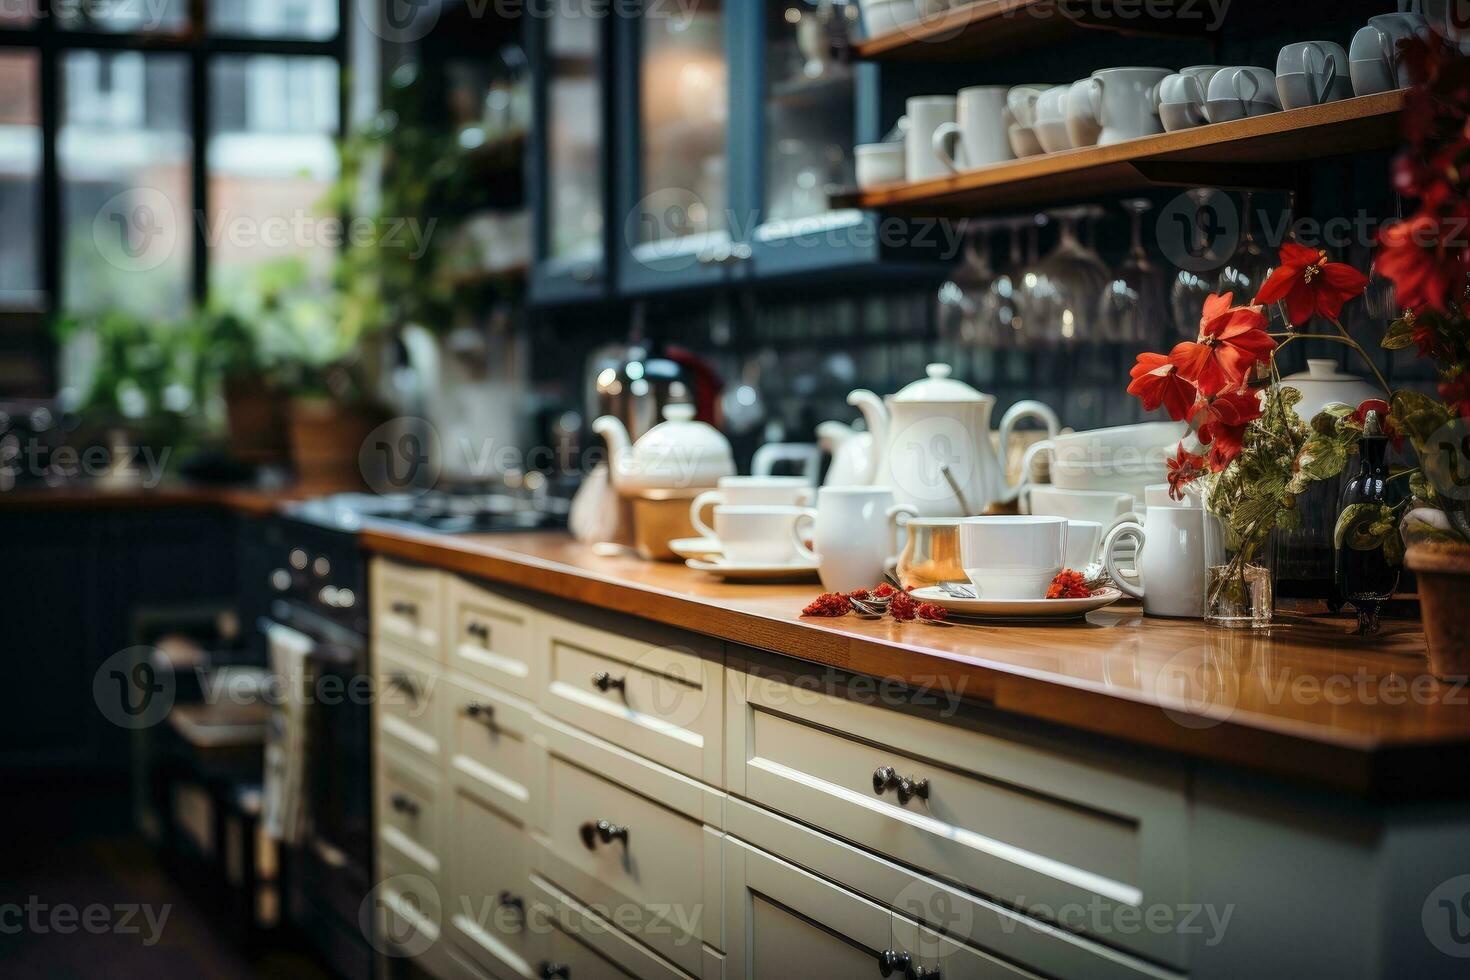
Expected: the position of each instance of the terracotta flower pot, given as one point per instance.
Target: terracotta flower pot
(1443, 572)
(326, 438)
(257, 420)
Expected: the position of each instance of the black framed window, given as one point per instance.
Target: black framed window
(151, 150)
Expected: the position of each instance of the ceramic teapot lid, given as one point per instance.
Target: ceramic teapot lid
(678, 452)
(939, 387)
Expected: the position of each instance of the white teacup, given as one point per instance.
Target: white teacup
(878, 163)
(1242, 91)
(1021, 104)
(1182, 97)
(1312, 73)
(756, 534)
(1083, 127)
(1106, 507)
(779, 491)
(978, 135)
(1051, 119)
(1084, 538)
(927, 114)
(1012, 557)
(1373, 58)
(1126, 102)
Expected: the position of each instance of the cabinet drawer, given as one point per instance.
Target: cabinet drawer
(408, 812)
(661, 877)
(487, 736)
(655, 691)
(983, 924)
(411, 906)
(487, 893)
(408, 606)
(490, 638)
(408, 694)
(589, 947)
(1021, 821)
(792, 923)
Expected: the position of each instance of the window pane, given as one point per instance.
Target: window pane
(313, 19)
(124, 153)
(272, 159)
(20, 166)
(125, 16)
(574, 142)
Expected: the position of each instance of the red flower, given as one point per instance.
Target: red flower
(1184, 469)
(1310, 284)
(1456, 392)
(883, 591)
(1225, 422)
(1359, 417)
(1423, 267)
(1157, 382)
(1231, 340)
(828, 604)
(903, 607)
(1068, 585)
(930, 610)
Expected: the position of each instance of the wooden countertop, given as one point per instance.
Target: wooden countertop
(1307, 700)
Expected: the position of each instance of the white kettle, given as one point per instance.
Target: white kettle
(932, 441)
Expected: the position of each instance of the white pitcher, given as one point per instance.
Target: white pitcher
(1171, 556)
(855, 534)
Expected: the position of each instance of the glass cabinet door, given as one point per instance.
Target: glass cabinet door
(679, 223)
(571, 174)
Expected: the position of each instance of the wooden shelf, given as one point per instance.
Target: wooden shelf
(988, 27)
(1262, 151)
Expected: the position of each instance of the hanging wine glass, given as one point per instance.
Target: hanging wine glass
(1190, 289)
(1000, 312)
(962, 295)
(1132, 305)
(1248, 267)
(1062, 304)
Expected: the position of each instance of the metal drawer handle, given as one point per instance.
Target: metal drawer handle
(507, 900)
(555, 971)
(402, 803)
(892, 961)
(605, 682)
(405, 608)
(602, 830)
(886, 778)
(481, 712)
(398, 679)
(480, 631)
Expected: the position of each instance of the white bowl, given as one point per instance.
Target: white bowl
(879, 163)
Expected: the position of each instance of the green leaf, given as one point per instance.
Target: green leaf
(1322, 458)
(1419, 486)
(1400, 334)
(1418, 415)
(1393, 548)
(1362, 527)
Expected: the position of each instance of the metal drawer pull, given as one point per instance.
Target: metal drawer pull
(555, 971)
(906, 787)
(507, 900)
(480, 631)
(892, 961)
(402, 803)
(605, 682)
(398, 679)
(405, 608)
(603, 830)
(481, 712)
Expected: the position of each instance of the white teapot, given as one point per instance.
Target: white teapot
(938, 424)
(677, 454)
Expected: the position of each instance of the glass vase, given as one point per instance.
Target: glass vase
(1239, 589)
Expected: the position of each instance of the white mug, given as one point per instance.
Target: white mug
(1171, 557)
(1182, 97)
(758, 534)
(1051, 120)
(1312, 73)
(1126, 102)
(1083, 127)
(1242, 91)
(978, 134)
(789, 491)
(926, 114)
(1373, 58)
(855, 535)
(1021, 104)
(1012, 557)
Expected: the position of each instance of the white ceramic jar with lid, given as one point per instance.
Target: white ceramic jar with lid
(1322, 383)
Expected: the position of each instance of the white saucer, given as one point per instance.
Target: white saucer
(1036, 609)
(799, 571)
(695, 547)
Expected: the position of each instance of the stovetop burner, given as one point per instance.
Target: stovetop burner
(459, 511)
